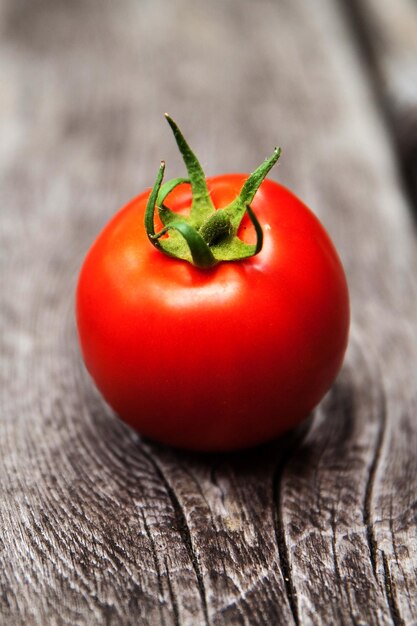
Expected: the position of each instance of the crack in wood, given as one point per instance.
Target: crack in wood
(367, 516)
(174, 603)
(282, 545)
(334, 548)
(156, 564)
(390, 593)
(184, 532)
(278, 521)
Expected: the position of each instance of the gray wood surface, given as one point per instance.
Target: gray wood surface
(98, 526)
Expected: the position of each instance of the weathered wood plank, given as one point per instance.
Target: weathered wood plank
(97, 525)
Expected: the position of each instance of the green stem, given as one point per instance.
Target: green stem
(200, 252)
(206, 236)
(254, 181)
(150, 207)
(202, 206)
(258, 230)
(236, 209)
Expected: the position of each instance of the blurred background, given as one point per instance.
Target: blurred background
(84, 85)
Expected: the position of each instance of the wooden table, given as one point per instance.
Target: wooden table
(100, 527)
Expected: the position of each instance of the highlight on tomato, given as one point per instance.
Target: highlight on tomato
(213, 314)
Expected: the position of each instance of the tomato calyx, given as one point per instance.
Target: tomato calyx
(207, 235)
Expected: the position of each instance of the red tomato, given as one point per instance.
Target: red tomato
(222, 358)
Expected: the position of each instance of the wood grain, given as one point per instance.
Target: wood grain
(97, 525)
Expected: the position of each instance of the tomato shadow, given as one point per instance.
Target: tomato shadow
(109, 435)
(302, 448)
(327, 436)
(243, 461)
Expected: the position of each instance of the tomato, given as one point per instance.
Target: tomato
(219, 358)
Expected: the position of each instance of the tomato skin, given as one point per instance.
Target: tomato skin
(217, 359)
